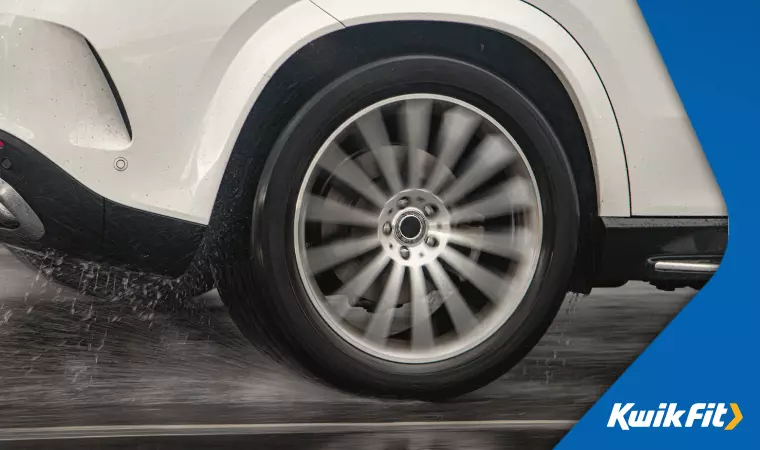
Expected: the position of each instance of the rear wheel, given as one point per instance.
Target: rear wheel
(414, 231)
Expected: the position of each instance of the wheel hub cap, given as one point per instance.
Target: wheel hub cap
(411, 227)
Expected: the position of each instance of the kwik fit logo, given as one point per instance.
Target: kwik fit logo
(669, 415)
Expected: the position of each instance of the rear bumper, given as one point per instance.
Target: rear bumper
(660, 250)
(82, 224)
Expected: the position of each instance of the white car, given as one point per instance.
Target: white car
(394, 195)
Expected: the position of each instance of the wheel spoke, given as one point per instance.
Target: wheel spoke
(492, 155)
(330, 255)
(336, 162)
(325, 210)
(510, 244)
(514, 195)
(457, 129)
(416, 126)
(358, 285)
(459, 311)
(380, 325)
(486, 281)
(422, 326)
(375, 135)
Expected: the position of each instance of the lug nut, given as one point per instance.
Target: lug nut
(431, 241)
(387, 228)
(403, 202)
(430, 210)
(404, 252)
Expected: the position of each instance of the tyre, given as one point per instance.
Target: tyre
(111, 282)
(414, 232)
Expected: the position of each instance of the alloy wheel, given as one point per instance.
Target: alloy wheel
(418, 228)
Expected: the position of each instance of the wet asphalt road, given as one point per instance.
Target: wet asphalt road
(70, 360)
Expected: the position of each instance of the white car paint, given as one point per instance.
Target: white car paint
(69, 88)
(189, 84)
(668, 172)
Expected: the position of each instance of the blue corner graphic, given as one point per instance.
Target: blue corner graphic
(707, 358)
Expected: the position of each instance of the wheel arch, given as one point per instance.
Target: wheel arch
(576, 102)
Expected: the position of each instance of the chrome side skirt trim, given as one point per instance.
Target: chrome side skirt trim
(686, 266)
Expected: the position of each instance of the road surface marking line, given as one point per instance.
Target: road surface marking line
(105, 431)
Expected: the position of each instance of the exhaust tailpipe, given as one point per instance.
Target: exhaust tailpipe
(17, 219)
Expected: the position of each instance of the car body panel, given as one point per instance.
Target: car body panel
(168, 73)
(668, 172)
(187, 86)
(53, 90)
